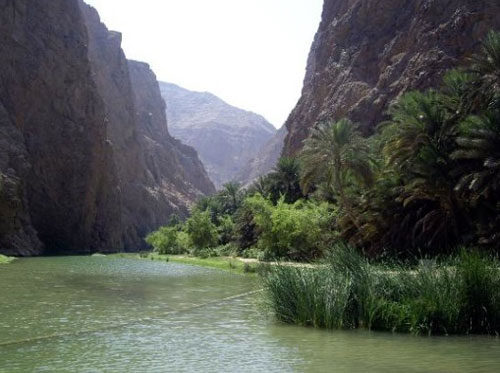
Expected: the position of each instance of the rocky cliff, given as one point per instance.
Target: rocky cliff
(266, 159)
(74, 171)
(366, 53)
(175, 176)
(158, 175)
(225, 137)
(60, 183)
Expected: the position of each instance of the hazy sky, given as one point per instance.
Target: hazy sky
(250, 53)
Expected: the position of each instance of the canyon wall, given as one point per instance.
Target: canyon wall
(74, 171)
(61, 182)
(158, 175)
(366, 53)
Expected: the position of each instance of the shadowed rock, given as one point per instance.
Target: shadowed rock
(366, 53)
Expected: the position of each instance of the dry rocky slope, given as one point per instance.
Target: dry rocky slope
(225, 137)
(366, 53)
(86, 161)
(266, 159)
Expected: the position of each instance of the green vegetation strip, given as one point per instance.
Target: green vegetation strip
(136, 321)
(6, 259)
(230, 264)
(460, 295)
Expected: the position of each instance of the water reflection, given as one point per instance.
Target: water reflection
(128, 300)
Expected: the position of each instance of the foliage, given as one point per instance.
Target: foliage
(202, 232)
(225, 229)
(224, 202)
(458, 296)
(427, 182)
(6, 259)
(337, 155)
(246, 231)
(228, 264)
(296, 231)
(284, 181)
(165, 241)
(439, 184)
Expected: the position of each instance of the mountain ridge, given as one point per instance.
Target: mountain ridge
(225, 137)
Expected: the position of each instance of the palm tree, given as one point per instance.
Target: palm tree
(337, 155)
(485, 71)
(417, 144)
(479, 145)
(284, 180)
(231, 197)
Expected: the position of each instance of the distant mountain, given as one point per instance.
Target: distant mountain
(225, 137)
(265, 160)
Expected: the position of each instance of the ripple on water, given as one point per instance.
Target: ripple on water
(128, 302)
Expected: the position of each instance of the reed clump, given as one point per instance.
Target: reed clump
(456, 295)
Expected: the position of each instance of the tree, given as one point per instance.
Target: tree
(484, 91)
(337, 155)
(284, 181)
(418, 140)
(201, 230)
(230, 197)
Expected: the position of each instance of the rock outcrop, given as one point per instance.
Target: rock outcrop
(366, 53)
(158, 175)
(226, 138)
(56, 161)
(175, 177)
(266, 159)
(76, 171)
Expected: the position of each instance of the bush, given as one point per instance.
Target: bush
(166, 241)
(297, 231)
(225, 229)
(245, 230)
(184, 242)
(228, 249)
(202, 232)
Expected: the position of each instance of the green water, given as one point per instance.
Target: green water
(89, 314)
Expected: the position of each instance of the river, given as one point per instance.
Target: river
(102, 314)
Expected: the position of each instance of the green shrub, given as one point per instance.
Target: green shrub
(202, 232)
(184, 242)
(6, 259)
(296, 231)
(166, 241)
(225, 229)
(204, 253)
(228, 249)
(245, 230)
(252, 252)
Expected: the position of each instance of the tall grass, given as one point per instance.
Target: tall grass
(6, 259)
(457, 296)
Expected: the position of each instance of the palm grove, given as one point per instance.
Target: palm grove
(426, 183)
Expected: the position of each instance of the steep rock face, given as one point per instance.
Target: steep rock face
(267, 157)
(175, 175)
(225, 137)
(86, 161)
(366, 53)
(158, 175)
(111, 76)
(60, 186)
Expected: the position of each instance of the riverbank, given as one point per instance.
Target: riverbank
(225, 263)
(6, 259)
